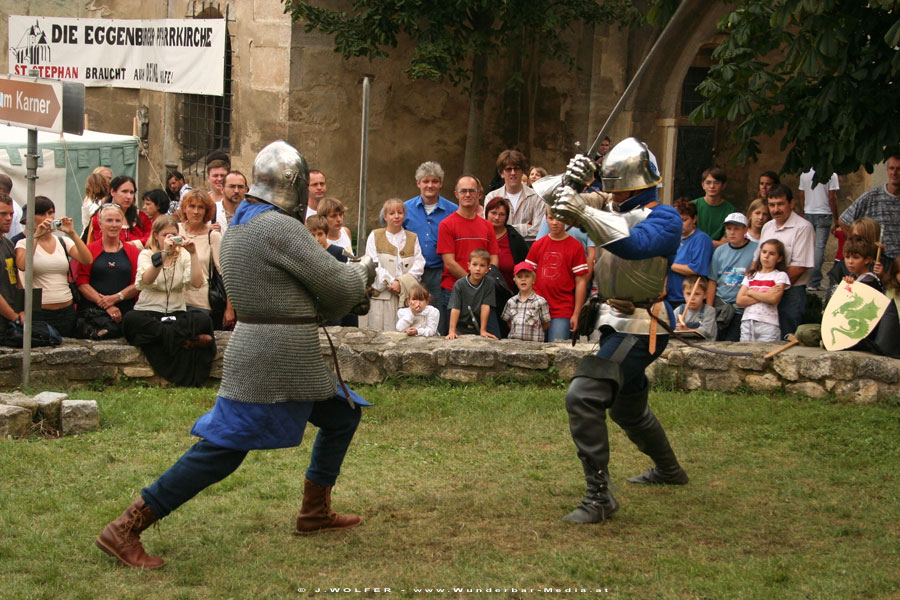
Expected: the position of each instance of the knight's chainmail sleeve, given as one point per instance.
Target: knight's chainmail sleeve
(274, 268)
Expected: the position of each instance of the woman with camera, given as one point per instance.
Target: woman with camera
(137, 224)
(179, 345)
(196, 210)
(107, 285)
(51, 265)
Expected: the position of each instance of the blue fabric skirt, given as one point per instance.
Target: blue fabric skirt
(245, 426)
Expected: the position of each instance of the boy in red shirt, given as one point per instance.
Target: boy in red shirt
(562, 277)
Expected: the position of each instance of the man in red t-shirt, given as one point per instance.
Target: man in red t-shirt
(562, 277)
(458, 235)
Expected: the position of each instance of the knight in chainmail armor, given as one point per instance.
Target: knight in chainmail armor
(281, 283)
(639, 238)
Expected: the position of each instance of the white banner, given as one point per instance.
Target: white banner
(168, 55)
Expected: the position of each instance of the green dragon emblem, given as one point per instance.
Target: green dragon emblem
(858, 317)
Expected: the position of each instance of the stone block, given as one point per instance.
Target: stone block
(265, 10)
(719, 381)
(418, 362)
(11, 396)
(355, 368)
(442, 356)
(535, 359)
(835, 365)
(750, 363)
(859, 391)
(464, 375)
(762, 383)
(117, 354)
(137, 372)
(49, 405)
(23, 402)
(269, 70)
(878, 368)
(787, 365)
(566, 361)
(79, 416)
(807, 388)
(473, 357)
(13, 360)
(693, 381)
(392, 361)
(89, 372)
(15, 421)
(675, 358)
(698, 359)
(65, 355)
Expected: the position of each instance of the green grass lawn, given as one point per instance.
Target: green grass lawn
(464, 487)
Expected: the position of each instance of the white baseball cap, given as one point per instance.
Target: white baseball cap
(736, 218)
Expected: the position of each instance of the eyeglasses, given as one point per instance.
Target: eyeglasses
(466, 192)
(511, 169)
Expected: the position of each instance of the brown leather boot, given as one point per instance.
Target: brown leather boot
(122, 538)
(316, 514)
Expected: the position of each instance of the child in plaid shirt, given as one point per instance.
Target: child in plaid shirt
(527, 313)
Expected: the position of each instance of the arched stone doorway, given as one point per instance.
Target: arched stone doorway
(656, 108)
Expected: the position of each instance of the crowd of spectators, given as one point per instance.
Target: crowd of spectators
(495, 264)
(139, 271)
(736, 276)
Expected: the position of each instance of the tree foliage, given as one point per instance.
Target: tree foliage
(823, 72)
(455, 39)
(448, 33)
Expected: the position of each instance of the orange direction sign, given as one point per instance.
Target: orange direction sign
(32, 104)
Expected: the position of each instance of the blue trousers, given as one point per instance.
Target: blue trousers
(822, 226)
(636, 361)
(559, 329)
(791, 309)
(206, 463)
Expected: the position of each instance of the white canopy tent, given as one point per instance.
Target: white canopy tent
(64, 163)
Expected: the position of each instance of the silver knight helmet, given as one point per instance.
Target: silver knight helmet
(280, 177)
(628, 167)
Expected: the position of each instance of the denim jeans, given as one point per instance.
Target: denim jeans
(559, 329)
(791, 309)
(205, 463)
(431, 281)
(822, 225)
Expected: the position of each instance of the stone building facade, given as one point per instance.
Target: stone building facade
(286, 83)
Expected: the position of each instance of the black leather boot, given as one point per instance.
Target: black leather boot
(586, 402)
(598, 504)
(633, 415)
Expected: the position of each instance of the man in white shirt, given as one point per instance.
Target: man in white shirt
(317, 190)
(819, 204)
(234, 189)
(16, 227)
(798, 237)
(527, 208)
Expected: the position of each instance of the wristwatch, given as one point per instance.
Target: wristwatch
(121, 296)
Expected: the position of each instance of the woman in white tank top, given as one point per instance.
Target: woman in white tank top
(51, 265)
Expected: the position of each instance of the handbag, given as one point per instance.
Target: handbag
(42, 334)
(216, 295)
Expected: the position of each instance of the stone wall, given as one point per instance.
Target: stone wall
(372, 357)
